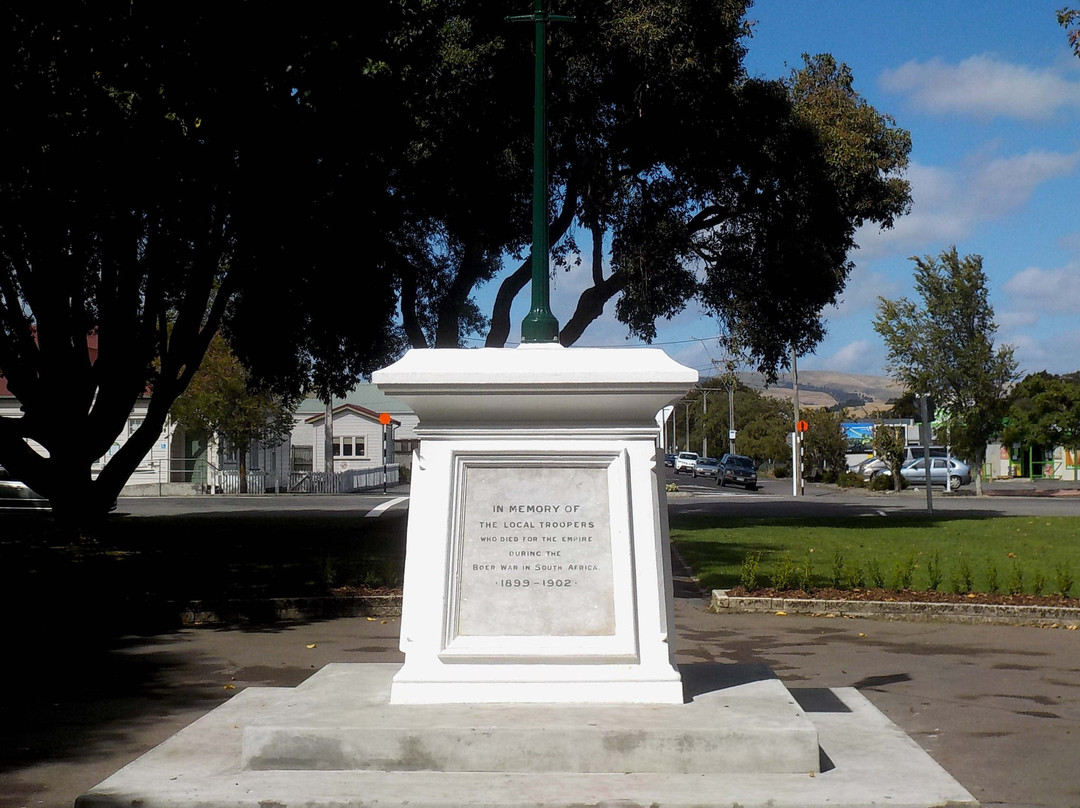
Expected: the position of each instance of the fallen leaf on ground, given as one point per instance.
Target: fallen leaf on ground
(312, 645)
(230, 687)
(781, 614)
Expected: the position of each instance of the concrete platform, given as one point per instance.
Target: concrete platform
(739, 718)
(863, 760)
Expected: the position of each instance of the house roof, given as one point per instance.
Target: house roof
(363, 412)
(365, 395)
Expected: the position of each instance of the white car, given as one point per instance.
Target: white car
(686, 461)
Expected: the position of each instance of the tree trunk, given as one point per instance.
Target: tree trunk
(243, 471)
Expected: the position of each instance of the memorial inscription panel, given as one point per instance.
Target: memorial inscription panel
(535, 551)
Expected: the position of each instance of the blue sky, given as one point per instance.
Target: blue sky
(990, 92)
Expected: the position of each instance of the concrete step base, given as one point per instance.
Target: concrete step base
(863, 760)
(737, 718)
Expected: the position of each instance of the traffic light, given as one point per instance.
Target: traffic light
(926, 409)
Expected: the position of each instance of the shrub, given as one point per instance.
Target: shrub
(837, 576)
(992, 583)
(1016, 579)
(933, 571)
(904, 573)
(671, 488)
(786, 574)
(1038, 582)
(853, 576)
(875, 575)
(806, 572)
(829, 475)
(963, 579)
(882, 482)
(849, 479)
(780, 471)
(750, 571)
(1064, 578)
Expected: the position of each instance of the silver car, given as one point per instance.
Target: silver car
(946, 471)
(15, 494)
(706, 467)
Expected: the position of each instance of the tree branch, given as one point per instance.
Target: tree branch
(499, 330)
(590, 306)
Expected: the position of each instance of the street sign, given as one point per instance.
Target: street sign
(802, 426)
(384, 418)
(731, 434)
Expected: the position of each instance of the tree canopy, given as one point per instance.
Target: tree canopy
(168, 176)
(691, 180)
(1044, 410)
(160, 174)
(944, 346)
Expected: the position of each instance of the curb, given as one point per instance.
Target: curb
(1041, 616)
(271, 610)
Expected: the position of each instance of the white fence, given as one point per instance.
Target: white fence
(207, 478)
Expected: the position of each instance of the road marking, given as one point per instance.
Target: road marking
(378, 510)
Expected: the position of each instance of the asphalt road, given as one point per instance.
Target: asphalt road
(997, 706)
(775, 498)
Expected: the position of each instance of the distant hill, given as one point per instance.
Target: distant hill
(826, 388)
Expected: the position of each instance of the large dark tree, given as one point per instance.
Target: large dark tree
(162, 173)
(690, 179)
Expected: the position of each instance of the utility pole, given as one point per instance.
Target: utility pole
(796, 436)
(731, 417)
(704, 412)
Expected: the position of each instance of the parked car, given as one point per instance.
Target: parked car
(15, 494)
(947, 471)
(737, 470)
(706, 467)
(873, 466)
(685, 461)
(669, 460)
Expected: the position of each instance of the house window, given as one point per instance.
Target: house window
(349, 447)
(133, 424)
(301, 458)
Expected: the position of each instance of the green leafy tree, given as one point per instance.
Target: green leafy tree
(824, 444)
(222, 401)
(163, 176)
(1045, 410)
(1069, 19)
(762, 423)
(944, 346)
(890, 446)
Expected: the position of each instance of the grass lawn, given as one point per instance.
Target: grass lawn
(970, 554)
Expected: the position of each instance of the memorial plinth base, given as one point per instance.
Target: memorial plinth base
(248, 753)
(536, 566)
(745, 721)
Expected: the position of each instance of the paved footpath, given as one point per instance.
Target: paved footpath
(997, 706)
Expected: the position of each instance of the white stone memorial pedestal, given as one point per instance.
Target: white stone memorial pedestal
(537, 567)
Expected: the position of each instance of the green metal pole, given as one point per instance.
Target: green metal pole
(540, 325)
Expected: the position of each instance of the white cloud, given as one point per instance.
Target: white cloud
(863, 288)
(948, 204)
(1034, 290)
(984, 86)
(852, 357)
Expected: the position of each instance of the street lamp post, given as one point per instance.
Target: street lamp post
(540, 325)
